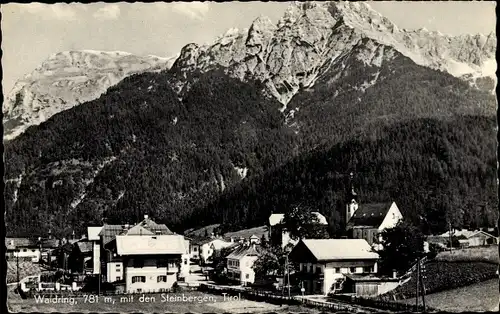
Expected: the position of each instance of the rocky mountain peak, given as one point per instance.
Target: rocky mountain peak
(311, 36)
(66, 79)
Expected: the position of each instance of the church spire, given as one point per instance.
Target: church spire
(352, 195)
(352, 199)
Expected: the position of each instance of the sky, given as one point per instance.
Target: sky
(32, 32)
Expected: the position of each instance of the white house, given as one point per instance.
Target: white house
(324, 264)
(471, 238)
(24, 248)
(209, 246)
(151, 262)
(112, 266)
(278, 235)
(367, 221)
(95, 239)
(186, 260)
(240, 262)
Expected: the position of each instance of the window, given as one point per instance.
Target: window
(32, 250)
(161, 279)
(352, 269)
(138, 279)
(195, 249)
(368, 269)
(247, 276)
(171, 264)
(318, 269)
(185, 261)
(161, 263)
(138, 263)
(139, 290)
(25, 250)
(337, 269)
(118, 278)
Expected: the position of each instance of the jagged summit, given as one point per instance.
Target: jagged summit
(66, 79)
(312, 36)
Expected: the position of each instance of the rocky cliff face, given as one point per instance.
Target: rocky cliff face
(67, 79)
(311, 35)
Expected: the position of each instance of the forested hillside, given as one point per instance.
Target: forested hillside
(354, 99)
(138, 150)
(435, 170)
(224, 153)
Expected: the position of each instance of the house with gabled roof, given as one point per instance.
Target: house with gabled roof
(240, 262)
(470, 238)
(325, 264)
(368, 220)
(151, 263)
(207, 248)
(154, 227)
(111, 263)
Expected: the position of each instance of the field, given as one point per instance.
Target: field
(474, 298)
(199, 303)
(474, 254)
(441, 276)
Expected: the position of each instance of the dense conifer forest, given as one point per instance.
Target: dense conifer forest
(224, 153)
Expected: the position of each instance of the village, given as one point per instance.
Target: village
(148, 258)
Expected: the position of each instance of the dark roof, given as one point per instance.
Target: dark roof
(84, 246)
(51, 243)
(243, 250)
(154, 227)
(12, 243)
(109, 232)
(369, 215)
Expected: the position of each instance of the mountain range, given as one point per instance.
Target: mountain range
(67, 79)
(262, 119)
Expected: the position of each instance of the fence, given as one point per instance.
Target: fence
(383, 304)
(254, 295)
(273, 298)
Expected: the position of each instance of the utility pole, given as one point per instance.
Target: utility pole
(17, 265)
(288, 275)
(423, 286)
(417, 282)
(449, 236)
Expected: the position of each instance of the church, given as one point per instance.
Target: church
(368, 220)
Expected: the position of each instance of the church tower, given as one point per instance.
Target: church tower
(352, 199)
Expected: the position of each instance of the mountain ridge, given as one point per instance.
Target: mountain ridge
(282, 55)
(66, 79)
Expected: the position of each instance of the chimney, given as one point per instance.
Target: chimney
(394, 274)
(146, 216)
